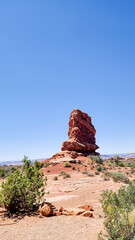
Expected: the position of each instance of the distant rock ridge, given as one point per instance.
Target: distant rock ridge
(81, 134)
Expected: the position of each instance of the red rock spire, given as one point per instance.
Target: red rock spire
(81, 134)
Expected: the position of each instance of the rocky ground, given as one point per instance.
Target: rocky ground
(79, 189)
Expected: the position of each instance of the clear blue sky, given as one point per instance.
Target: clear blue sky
(59, 55)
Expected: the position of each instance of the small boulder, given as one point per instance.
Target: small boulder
(72, 211)
(86, 207)
(58, 213)
(87, 214)
(46, 209)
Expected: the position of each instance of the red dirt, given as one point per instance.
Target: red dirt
(80, 189)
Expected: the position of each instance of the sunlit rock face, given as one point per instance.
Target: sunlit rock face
(81, 134)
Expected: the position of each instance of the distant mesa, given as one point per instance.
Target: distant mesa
(81, 134)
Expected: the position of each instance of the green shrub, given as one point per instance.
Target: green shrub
(132, 170)
(67, 164)
(116, 158)
(118, 177)
(73, 168)
(62, 173)
(66, 175)
(132, 164)
(46, 164)
(24, 189)
(99, 169)
(5, 171)
(55, 178)
(120, 164)
(119, 209)
(106, 178)
(97, 159)
(90, 174)
(85, 171)
(38, 165)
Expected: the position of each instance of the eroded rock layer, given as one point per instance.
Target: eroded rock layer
(81, 134)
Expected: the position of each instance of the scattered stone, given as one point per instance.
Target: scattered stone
(86, 207)
(72, 211)
(61, 209)
(87, 214)
(46, 209)
(58, 213)
(76, 212)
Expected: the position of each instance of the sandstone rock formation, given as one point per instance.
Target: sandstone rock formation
(81, 134)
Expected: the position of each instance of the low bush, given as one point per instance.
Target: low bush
(85, 171)
(66, 175)
(24, 189)
(62, 173)
(73, 168)
(3, 173)
(55, 178)
(131, 164)
(118, 177)
(90, 174)
(97, 159)
(46, 164)
(105, 177)
(120, 164)
(67, 164)
(6, 171)
(119, 209)
(99, 169)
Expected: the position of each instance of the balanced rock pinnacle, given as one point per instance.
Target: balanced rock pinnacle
(81, 134)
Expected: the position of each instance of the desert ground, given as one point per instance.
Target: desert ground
(79, 189)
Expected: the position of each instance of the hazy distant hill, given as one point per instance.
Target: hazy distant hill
(2, 163)
(124, 155)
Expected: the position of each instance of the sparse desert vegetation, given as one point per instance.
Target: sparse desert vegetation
(85, 181)
(24, 188)
(119, 209)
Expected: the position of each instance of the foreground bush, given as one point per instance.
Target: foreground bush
(24, 189)
(119, 209)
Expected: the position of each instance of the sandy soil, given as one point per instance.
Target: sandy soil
(71, 192)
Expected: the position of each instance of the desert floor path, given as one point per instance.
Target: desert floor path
(77, 190)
